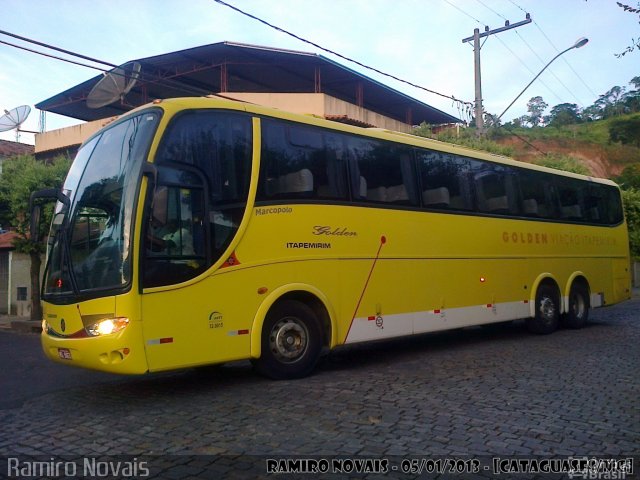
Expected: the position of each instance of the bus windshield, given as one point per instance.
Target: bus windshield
(90, 245)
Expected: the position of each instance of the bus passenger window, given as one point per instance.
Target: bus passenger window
(385, 172)
(300, 162)
(444, 180)
(570, 194)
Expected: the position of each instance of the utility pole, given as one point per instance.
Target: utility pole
(476, 62)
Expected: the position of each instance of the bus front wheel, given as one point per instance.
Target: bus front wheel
(291, 341)
(547, 312)
(578, 313)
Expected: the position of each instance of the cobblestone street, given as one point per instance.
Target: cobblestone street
(473, 393)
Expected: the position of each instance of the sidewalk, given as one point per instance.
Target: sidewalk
(13, 323)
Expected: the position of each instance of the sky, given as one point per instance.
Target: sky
(417, 40)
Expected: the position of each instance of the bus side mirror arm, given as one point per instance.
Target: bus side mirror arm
(35, 209)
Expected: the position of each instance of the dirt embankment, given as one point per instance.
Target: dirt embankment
(596, 158)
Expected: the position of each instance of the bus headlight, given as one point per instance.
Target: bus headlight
(107, 326)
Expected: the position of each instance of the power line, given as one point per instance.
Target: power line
(297, 37)
(557, 50)
(57, 49)
(551, 90)
(550, 71)
(489, 8)
(463, 12)
(145, 77)
(524, 64)
(518, 6)
(565, 60)
(55, 57)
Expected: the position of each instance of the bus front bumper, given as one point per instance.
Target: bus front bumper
(122, 352)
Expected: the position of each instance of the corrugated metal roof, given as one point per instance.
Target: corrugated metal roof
(14, 149)
(6, 240)
(236, 67)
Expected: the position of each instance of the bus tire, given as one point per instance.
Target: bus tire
(578, 313)
(547, 311)
(291, 341)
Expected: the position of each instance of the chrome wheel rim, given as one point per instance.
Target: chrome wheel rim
(547, 309)
(289, 340)
(578, 306)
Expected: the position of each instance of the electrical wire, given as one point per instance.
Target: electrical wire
(332, 52)
(550, 71)
(144, 77)
(57, 49)
(463, 12)
(55, 57)
(491, 9)
(557, 50)
(524, 64)
(564, 59)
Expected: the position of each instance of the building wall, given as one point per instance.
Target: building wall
(321, 105)
(58, 141)
(4, 281)
(62, 138)
(15, 275)
(20, 278)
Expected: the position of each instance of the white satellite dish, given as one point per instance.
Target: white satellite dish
(14, 118)
(114, 85)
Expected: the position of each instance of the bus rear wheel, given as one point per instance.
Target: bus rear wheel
(578, 313)
(547, 311)
(291, 341)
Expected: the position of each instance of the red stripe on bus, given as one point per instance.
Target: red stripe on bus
(383, 240)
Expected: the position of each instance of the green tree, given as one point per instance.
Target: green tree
(564, 114)
(631, 202)
(630, 177)
(625, 130)
(21, 176)
(536, 107)
(631, 99)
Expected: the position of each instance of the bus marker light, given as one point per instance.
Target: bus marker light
(482, 279)
(160, 341)
(233, 333)
(126, 351)
(262, 290)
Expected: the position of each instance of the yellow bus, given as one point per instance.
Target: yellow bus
(200, 231)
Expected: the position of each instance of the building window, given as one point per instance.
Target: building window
(22, 294)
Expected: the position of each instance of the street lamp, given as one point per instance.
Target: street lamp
(581, 42)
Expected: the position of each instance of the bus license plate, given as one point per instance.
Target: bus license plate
(64, 353)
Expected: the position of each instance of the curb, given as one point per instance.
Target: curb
(26, 326)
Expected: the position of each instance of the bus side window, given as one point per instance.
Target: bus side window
(298, 162)
(497, 191)
(385, 171)
(570, 196)
(444, 181)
